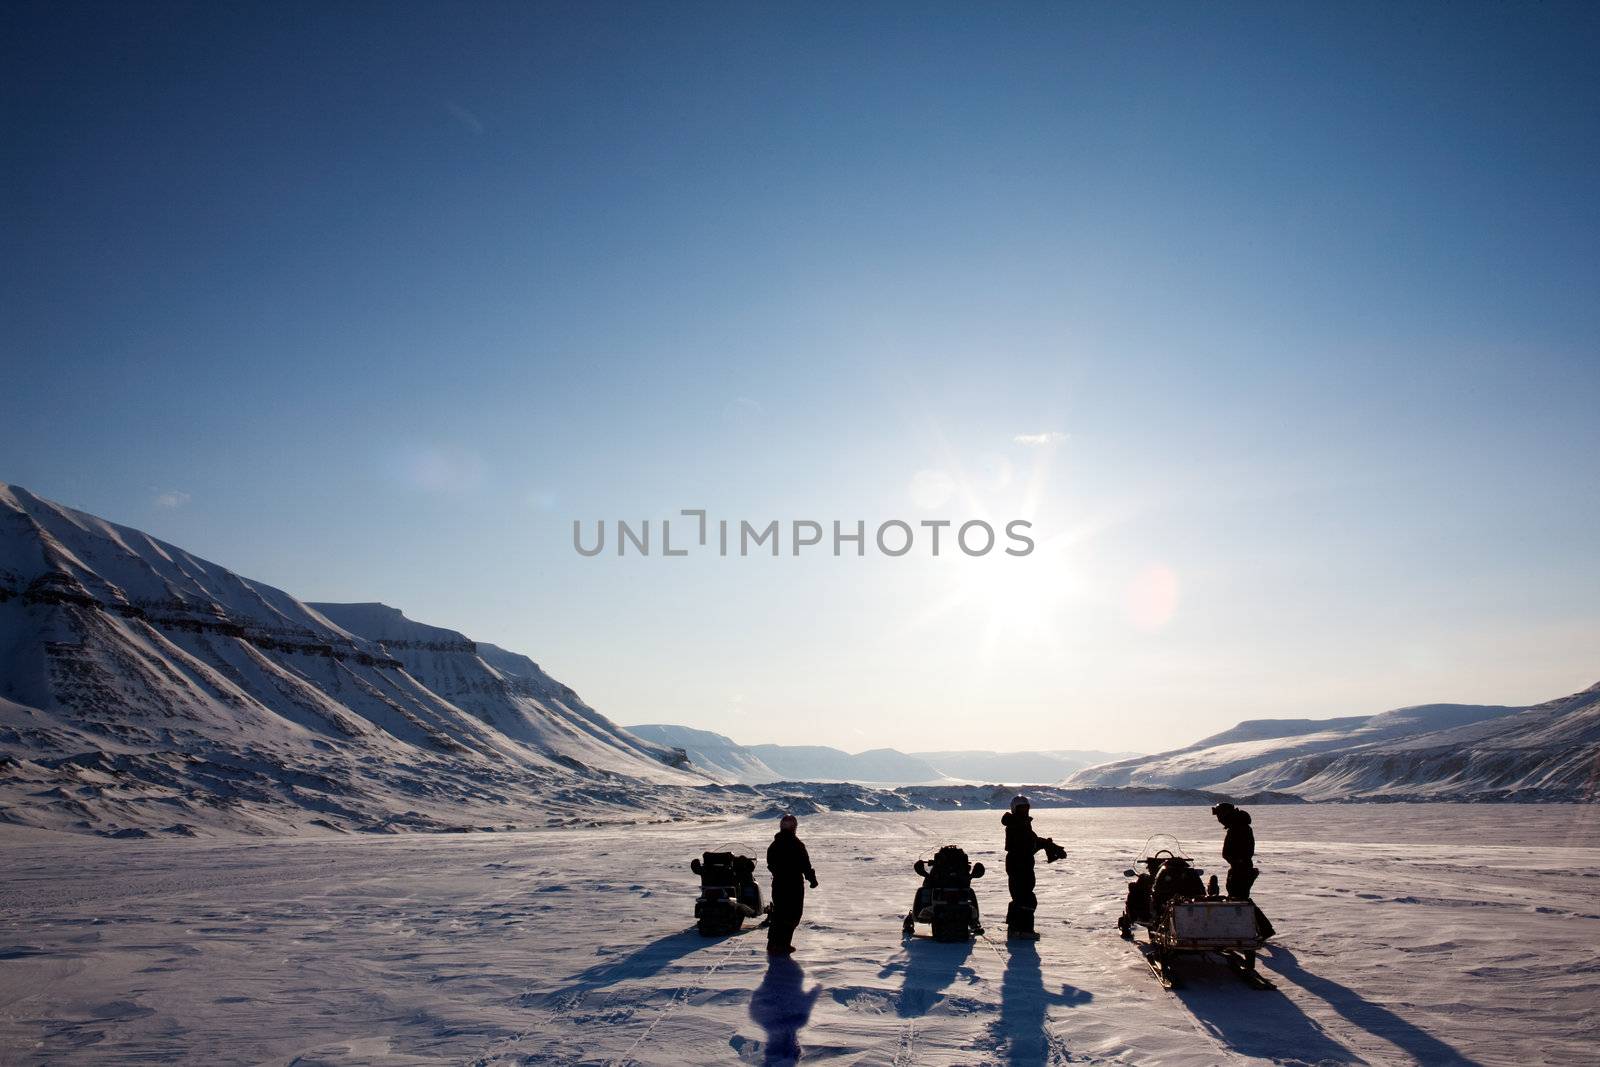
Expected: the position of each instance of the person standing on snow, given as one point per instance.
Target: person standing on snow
(789, 863)
(1239, 853)
(1238, 849)
(1021, 844)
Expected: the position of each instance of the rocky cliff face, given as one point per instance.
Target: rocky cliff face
(141, 685)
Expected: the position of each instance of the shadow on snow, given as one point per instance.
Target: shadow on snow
(1022, 1031)
(642, 962)
(1371, 1017)
(928, 970)
(782, 1006)
(1253, 1022)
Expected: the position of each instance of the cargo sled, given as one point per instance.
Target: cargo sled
(945, 900)
(728, 893)
(1185, 915)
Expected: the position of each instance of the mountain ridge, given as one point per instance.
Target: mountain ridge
(1547, 751)
(136, 676)
(759, 764)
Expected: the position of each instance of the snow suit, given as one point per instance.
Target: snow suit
(790, 865)
(1021, 844)
(1239, 852)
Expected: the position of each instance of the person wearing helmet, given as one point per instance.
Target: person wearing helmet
(1021, 844)
(790, 865)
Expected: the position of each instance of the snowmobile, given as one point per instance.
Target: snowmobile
(728, 893)
(945, 900)
(1185, 915)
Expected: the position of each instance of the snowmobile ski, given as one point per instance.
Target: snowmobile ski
(1163, 972)
(1251, 976)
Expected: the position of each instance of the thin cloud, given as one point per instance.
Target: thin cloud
(1039, 440)
(465, 117)
(172, 499)
(443, 468)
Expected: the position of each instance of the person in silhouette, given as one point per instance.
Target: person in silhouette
(1238, 849)
(790, 865)
(1021, 844)
(1239, 853)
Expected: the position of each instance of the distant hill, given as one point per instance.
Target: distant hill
(1547, 751)
(1017, 768)
(719, 756)
(758, 764)
(818, 763)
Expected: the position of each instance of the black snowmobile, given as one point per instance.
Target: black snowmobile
(728, 893)
(945, 900)
(1185, 914)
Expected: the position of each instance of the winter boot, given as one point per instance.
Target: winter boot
(1019, 925)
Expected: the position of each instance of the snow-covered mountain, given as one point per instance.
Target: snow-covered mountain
(730, 761)
(722, 757)
(141, 684)
(820, 763)
(1548, 751)
(1018, 768)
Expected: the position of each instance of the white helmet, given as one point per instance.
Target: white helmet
(788, 822)
(1019, 803)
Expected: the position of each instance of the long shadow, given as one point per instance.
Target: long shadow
(1024, 1004)
(928, 970)
(1260, 1023)
(642, 962)
(1373, 1018)
(781, 1006)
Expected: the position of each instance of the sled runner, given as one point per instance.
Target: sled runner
(945, 901)
(728, 893)
(1184, 915)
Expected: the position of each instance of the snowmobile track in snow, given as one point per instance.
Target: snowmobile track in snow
(679, 998)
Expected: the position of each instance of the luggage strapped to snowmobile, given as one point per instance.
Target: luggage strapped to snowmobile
(728, 892)
(945, 900)
(1169, 899)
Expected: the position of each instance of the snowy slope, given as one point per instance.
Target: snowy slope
(504, 690)
(142, 686)
(719, 756)
(1548, 751)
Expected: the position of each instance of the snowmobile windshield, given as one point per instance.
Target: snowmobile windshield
(1161, 845)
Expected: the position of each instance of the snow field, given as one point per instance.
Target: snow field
(1407, 933)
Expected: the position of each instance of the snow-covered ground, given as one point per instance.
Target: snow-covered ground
(1429, 933)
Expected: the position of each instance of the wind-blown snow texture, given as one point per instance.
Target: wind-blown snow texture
(1472, 942)
(1549, 751)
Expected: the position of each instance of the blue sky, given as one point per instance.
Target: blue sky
(372, 301)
